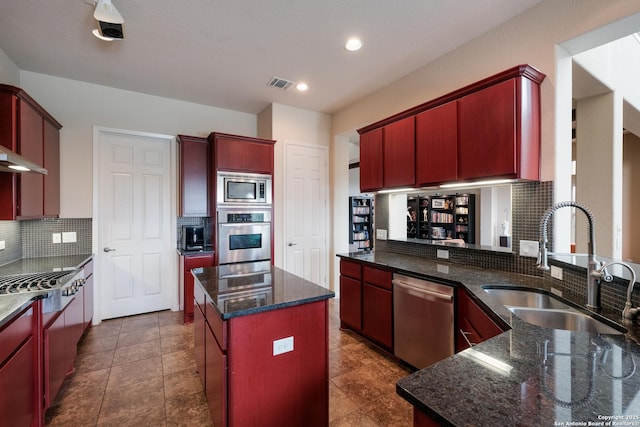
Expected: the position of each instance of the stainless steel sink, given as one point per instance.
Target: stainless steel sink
(525, 298)
(569, 319)
(548, 311)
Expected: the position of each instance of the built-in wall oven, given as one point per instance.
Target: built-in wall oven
(244, 235)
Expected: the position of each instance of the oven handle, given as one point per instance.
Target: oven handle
(253, 273)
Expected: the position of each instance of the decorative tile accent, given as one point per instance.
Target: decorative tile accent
(37, 237)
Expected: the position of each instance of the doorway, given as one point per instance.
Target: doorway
(134, 244)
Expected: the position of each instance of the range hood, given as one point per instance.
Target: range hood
(13, 162)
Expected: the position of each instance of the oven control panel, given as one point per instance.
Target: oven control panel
(240, 217)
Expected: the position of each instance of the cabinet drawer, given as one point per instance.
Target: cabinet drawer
(217, 325)
(374, 276)
(88, 268)
(16, 332)
(351, 269)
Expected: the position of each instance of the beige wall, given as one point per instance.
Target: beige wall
(80, 106)
(631, 201)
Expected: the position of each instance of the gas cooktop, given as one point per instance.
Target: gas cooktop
(21, 283)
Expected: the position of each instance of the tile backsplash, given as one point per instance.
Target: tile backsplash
(33, 238)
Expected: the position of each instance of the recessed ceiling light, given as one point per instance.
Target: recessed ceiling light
(302, 87)
(353, 44)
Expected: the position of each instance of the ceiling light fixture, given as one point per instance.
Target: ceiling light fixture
(302, 87)
(110, 22)
(353, 44)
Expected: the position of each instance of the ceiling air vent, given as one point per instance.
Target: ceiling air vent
(279, 83)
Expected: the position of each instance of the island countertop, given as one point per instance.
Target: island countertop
(244, 295)
(528, 375)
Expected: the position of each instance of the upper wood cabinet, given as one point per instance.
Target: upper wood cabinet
(27, 129)
(399, 153)
(194, 176)
(489, 129)
(387, 156)
(242, 154)
(437, 144)
(371, 156)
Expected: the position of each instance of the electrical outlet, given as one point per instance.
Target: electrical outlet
(442, 268)
(56, 238)
(557, 292)
(69, 237)
(529, 248)
(381, 234)
(283, 345)
(441, 253)
(556, 272)
(2, 245)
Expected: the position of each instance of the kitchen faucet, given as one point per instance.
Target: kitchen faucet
(594, 269)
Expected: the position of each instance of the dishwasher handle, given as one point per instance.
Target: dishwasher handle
(420, 290)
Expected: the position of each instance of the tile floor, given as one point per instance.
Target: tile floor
(140, 371)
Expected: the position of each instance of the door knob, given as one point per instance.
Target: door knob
(292, 244)
(107, 249)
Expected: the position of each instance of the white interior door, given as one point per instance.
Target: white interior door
(134, 224)
(305, 212)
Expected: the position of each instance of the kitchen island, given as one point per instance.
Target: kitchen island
(261, 347)
(528, 375)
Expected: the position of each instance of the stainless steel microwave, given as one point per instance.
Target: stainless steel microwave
(244, 189)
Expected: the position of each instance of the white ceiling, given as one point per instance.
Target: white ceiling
(222, 52)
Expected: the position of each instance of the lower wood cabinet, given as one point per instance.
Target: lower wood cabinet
(56, 357)
(474, 325)
(187, 263)
(366, 302)
(19, 384)
(216, 378)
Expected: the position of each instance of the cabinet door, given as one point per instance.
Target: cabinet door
(473, 322)
(371, 160)
(230, 154)
(216, 380)
(74, 324)
(88, 301)
(52, 164)
(259, 158)
(18, 385)
(350, 303)
(199, 327)
(377, 314)
(437, 145)
(487, 132)
(399, 153)
(194, 176)
(191, 262)
(55, 358)
(31, 194)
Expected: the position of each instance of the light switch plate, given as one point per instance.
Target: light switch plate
(441, 268)
(441, 253)
(69, 237)
(2, 244)
(529, 248)
(56, 238)
(381, 234)
(283, 345)
(556, 272)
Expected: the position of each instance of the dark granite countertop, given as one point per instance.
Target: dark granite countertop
(529, 375)
(280, 290)
(12, 304)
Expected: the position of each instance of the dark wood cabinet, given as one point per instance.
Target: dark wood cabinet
(350, 295)
(437, 145)
(27, 129)
(377, 306)
(489, 129)
(387, 156)
(487, 143)
(474, 325)
(371, 156)
(194, 176)
(56, 357)
(189, 262)
(199, 330)
(366, 302)
(399, 154)
(242, 154)
(19, 404)
(216, 378)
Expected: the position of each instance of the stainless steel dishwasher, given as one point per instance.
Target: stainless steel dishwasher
(423, 320)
